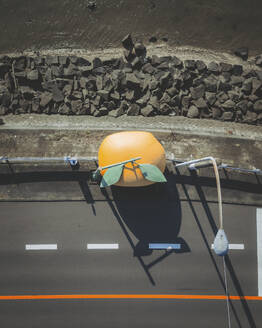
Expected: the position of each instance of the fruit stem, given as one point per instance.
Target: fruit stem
(124, 162)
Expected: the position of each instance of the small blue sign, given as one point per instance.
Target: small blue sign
(164, 246)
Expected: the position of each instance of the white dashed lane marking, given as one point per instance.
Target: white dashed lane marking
(102, 246)
(233, 246)
(36, 247)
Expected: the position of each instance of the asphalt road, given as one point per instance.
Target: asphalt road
(132, 269)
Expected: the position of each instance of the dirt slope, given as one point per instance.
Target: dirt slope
(211, 24)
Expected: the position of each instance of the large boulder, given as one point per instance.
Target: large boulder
(198, 92)
(57, 71)
(228, 105)
(176, 62)
(71, 70)
(97, 62)
(133, 110)
(258, 106)
(143, 100)
(122, 108)
(115, 96)
(259, 60)
(227, 116)
(242, 53)
(4, 68)
(137, 63)
(258, 75)
(154, 102)
(213, 67)
(235, 95)
(45, 99)
(64, 109)
(200, 66)
(147, 110)
(237, 69)
(52, 60)
(243, 106)
(165, 109)
(237, 81)
(129, 95)
(33, 75)
(224, 86)
(27, 92)
(155, 60)
(132, 81)
(36, 105)
(216, 113)
(193, 112)
(250, 117)
(164, 80)
(165, 98)
(200, 103)
(172, 91)
(185, 101)
(3, 110)
(127, 42)
(210, 98)
(257, 87)
(140, 49)
(225, 67)
(104, 94)
(57, 94)
(247, 86)
(175, 101)
(222, 97)
(24, 106)
(225, 77)
(190, 64)
(129, 55)
(76, 106)
(20, 63)
(148, 68)
(97, 101)
(210, 84)
(63, 60)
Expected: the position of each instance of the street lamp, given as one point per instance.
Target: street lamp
(220, 241)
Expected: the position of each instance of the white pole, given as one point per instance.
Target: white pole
(220, 243)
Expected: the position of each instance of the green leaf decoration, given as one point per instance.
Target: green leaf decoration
(112, 176)
(152, 173)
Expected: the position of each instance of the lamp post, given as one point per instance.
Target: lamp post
(220, 241)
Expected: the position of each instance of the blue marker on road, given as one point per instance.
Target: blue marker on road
(164, 246)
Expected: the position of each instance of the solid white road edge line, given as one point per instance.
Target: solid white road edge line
(233, 246)
(259, 250)
(102, 246)
(36, 247)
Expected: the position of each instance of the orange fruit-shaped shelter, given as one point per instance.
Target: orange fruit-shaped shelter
(122, 146)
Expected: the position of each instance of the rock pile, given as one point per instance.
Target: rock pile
(133, 85)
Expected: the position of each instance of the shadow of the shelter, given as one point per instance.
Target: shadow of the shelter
(152, 214)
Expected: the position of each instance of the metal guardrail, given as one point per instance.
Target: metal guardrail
(225, 166)
(73, 160)
(66, 159)
(198, 165)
